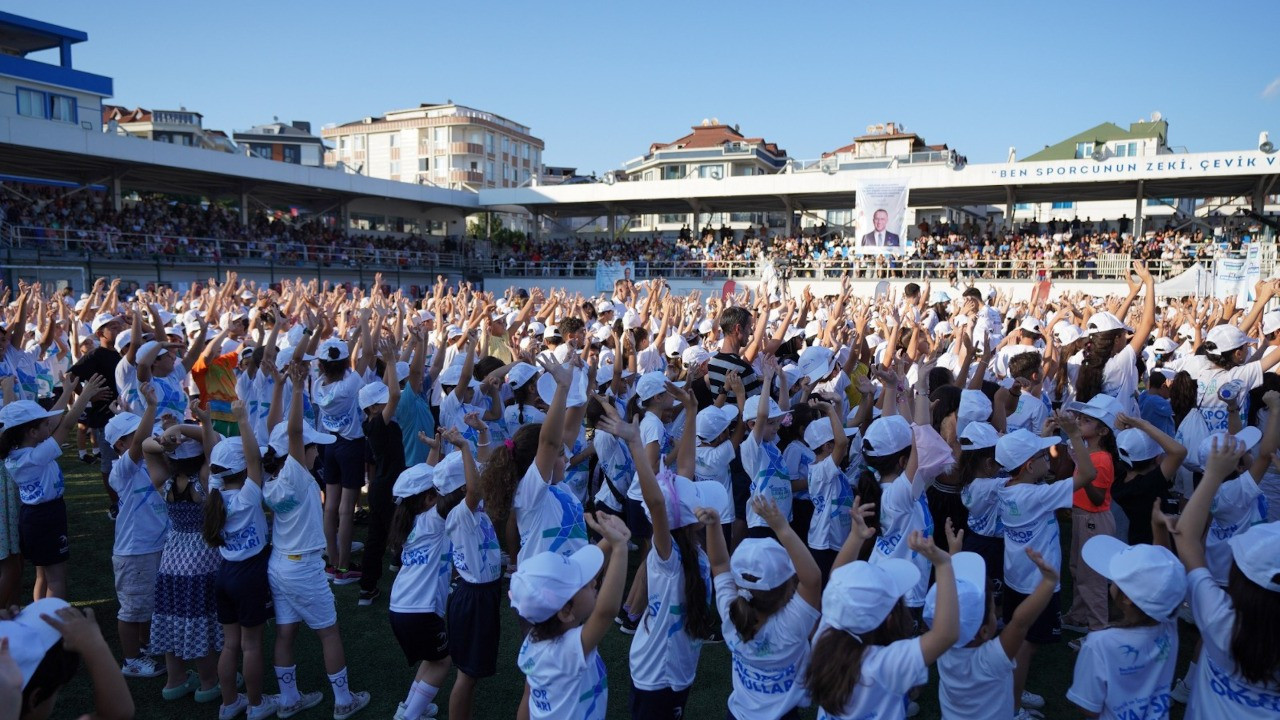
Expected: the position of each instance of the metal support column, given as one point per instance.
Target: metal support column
(611, 222)
(116, 201)
(1137, 210)
(244, 207)
(791, 211)
(1010, 202)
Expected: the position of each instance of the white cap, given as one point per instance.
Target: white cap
(577, 389)
(1270, 322)
(30, 637)
(451, 375)
(859, 596)
(551, 331)
(604, 375)
(1163, 345)
(1257, 552)
(978, 436)
(448, 474)
(229, 455)
(751, 408)
(706, 326)
(1019, 446)
(188, 448)
(975, 406)
(413, 480)
(279, 440)
(1225, 338)
(149, 347)
(939, 296)
(604, 306)
(694, 355)
(1149, 575)
(630, 320)
(402, 371)
(683, 497)
(100, 320)
(887, 435)
(1185, 330)
(760, 564)
(521, 374)
(942, 329)
(816, 362)
(375, 393)
(562, 353)
(123, 339)
(813, 328)
(1031, 324)
(1066, 333)
(333, 349)
(1136, 446)
(602, 333)
(20, 412)
(674, 346)
(285, 356)
(535, 328)
(971, 591)
(1104, 321)
(818, 433)
(1100, 407)
(651, 384)
(119, 426)
(712, 420)
(545, 582)
(1250, 436)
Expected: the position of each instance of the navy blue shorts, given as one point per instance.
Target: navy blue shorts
(637, 522)
(422, 636)
(475, 623)
(664, 704)
(740, 481)
(344, 463)
(242, 591)
(1047, 628)
(42, 533)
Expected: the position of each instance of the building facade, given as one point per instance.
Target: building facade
(290, 143)
(45, 91)
(177, 127)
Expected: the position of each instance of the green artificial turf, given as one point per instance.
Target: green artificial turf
(375, 661)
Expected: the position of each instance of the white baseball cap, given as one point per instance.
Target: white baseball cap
(1019, 446)
(119, 426)
(683, 497)
(1270, 322)
(333, 349)
(694, 356)
(1250, 436)
(520, 374)
(451, 375)
(978, 436)
(971, 590)
(604, 306)
(813, 328)
(1104, 321)
(551, 331)
(1185, 330)
(545, 582)
(448, 474)
(100, 320)
(577, 389)
(1149, 575)
(1163, 345)
(21, 412)
(818, 433)
(285, 356)
(229, 455)
(816, 362)
(604, 375)
(1225, 338)
(975, 406)
(706, 326)
(760, 564)
(1031, 324)
(30, 637)
(650, 385)
(1066, 333)
(674, 346)
(374, 393)
(939, 296)
(712, 420)
(630, 320)
(1257, 553)
(413, 480)
(1135, 446)
(887, 435)
(1100, 407)
(535, 328)
(859, 596)
(279, 440)
(751, 408)
(123, 339)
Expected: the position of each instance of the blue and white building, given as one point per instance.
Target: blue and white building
(56, 93)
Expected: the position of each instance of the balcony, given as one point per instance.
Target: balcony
(466, 148)
(471, 177)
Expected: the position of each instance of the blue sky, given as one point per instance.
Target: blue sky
(599, 81)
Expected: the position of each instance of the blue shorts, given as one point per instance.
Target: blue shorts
(664, 704)
(475, 624)
(242, 590)
(344, 463)
(637, 521)
(42, 533)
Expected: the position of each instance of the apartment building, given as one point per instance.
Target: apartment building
(290, 143)
(178, 127)
(55, 93)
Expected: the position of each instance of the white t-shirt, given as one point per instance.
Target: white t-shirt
(576, 476)
(1219, 690)
(888, 673)
(769, 476)
(797, 458)
(338, 405)
(832, 498)
(976, 682)
(512, 416)
(127, 386)
(422, 585)
(170, 393)
(1126, 673)
(1029, 415)
(663, 655)
(548, 517)
(298, 512)
(143, 521)
(1027, 512)
(713, 464)
(36, 472)
(564, 684)
(1120, 379)
(613, 458)
(1000, 363)
(982, 498)
(651, 431)
(903, 509)
(245, 532)
(1209, 378)
(476, 554)
(1237, 506)
(767, 670)
(255, 392)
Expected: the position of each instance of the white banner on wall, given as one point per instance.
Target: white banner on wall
(881, 217)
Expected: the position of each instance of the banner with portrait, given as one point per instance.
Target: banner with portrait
(608, 273)
(881, 217)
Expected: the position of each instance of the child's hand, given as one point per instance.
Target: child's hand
(955, 538)
(859, 514)
(431, 442)
(707, 516)
(767, 509)
(1225, 456)
(10, 676)
(609, 527)
(473, 421)
(95, 388)
(1170, 522)
(1272, 400)
(453, 437)
(148, 392)
(1068, 423)
(239, 411)
(924, 545)
(1047, 571)
(200, 410)
(80, 632)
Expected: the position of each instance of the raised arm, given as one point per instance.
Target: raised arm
(147, 425)
(859, 533)
(1148, 321)
(71, 418)
(551, 436)
(1189, 538)
(609, 598)
(807, 572)
(252, 456)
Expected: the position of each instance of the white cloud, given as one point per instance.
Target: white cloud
(1272, 90)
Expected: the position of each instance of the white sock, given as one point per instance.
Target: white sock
(287, 678)
(341, 693)
(420, 696)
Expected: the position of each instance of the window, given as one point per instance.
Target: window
(393, 140)
(1127, 149)
(291, 154)
(506, 145)
(423, 165)
(1084, 149)
(342, 144)
(1064, 205)
(524, 150)
(31, 103)
(395, 167)
(1161, 202)
(673, 219)
(488, 170)
(62, 108)
(672, 172)
(260, 150)
(711, 171)
(488, 142)
(1022, 206)
(475, 166)
(441, 136)
(357, 142)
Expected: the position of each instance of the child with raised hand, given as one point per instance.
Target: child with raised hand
(235, 523)
(768, 595)
(829, 488)
(866, 625)
(976, 674)
(668, 640)
(1027, 511)
(1126, 669)
(761, 458)
(1150, 459)
(1238, 673)
(557, 594)
(30, 445)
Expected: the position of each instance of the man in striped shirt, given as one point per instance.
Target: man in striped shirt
(737, 328)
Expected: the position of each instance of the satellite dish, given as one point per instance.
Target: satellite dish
(1099, 153)
(1156, 116)
(609, 178)
(830, 165)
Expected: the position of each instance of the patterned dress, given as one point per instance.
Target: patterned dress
(186, 617)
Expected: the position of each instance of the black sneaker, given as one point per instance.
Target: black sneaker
(621, 617)
(629, 625)
(368, 596)
(361, 515)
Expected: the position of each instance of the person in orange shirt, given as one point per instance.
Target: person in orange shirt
(1091, 511)
(215, 377)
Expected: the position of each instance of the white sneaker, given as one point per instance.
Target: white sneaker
(358, 702)
(1028, 714)
(305, 701)
(230, 712)
(1181, 692)
(429, 714)
(141, 667)
(265, 709)
(1032, 700)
